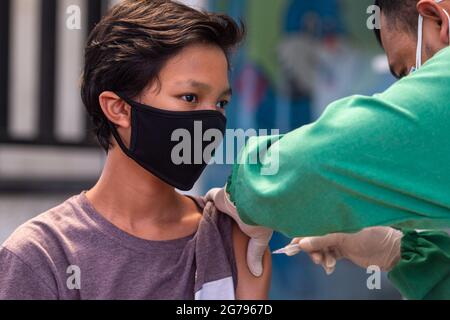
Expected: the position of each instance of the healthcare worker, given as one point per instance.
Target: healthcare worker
(382, 160)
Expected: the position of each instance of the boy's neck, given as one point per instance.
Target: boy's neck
(140, 203)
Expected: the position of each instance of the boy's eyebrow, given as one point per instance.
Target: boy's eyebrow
(204, 86)
(228, 92)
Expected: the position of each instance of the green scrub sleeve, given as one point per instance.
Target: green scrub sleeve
(368, 161)
(424, 269)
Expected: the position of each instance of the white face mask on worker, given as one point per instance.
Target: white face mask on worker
(420, 40)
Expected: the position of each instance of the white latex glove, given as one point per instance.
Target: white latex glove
(259, 236)
(379, 246)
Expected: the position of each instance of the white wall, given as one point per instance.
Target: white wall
(23, 79)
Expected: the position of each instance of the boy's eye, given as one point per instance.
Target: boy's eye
(222, 104)
(191, 98)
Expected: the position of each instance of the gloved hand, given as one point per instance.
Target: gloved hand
(378, 246)
(259, 236)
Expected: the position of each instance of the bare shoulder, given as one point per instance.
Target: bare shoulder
(250, 287)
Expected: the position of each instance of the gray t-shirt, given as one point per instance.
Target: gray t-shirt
(73, 252)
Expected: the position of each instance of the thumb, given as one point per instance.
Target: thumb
(212, 194)
(312, 244)
(255, 254)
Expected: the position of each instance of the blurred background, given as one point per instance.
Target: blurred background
(299, 56)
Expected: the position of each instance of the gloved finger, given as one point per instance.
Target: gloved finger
(311, 244)
(292, 250)
(316, 257)
(221, 201)
(337, 254)
(325, 259)
(329, 264)
(328, 271)
(296, 240)
(330, 261)
(225, 199)
(212, 194)
(255, 255)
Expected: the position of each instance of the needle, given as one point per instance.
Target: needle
(289, 250)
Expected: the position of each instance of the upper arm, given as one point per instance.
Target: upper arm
(250, 287)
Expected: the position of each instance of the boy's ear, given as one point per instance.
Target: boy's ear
(115, 109)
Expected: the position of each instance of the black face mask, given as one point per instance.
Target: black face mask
(151, 144)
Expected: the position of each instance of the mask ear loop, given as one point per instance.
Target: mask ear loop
(419, 43)
(448, 17)
(115, 132)
(420, 37)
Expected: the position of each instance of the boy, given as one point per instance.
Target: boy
(151, 68)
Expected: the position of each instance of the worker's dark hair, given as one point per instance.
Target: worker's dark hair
(402, 14)
(128, 48)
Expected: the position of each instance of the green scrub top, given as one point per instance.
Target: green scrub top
(368, 161)
(424, 269)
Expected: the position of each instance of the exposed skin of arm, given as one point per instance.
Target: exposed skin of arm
(250, 287)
